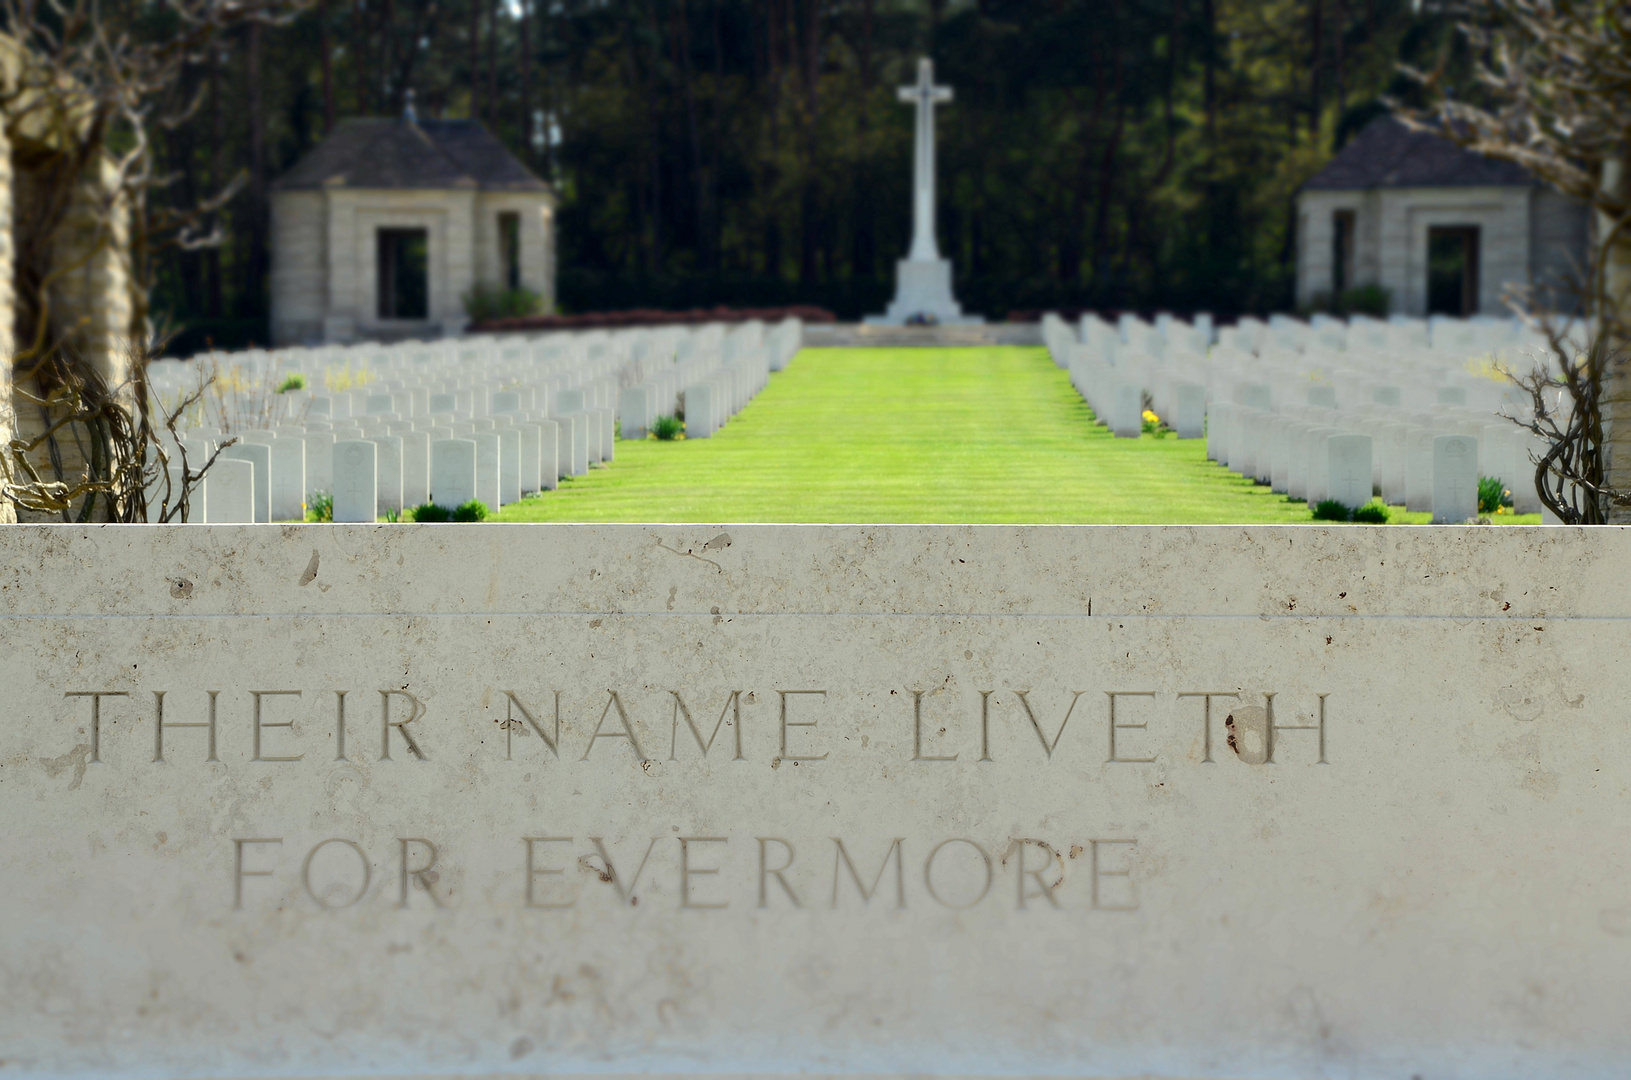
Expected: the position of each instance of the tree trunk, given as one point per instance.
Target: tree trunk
(359, 59)
(475, 59)
(1316, 52)
(326, 44)
(255, 278)
(492, 63)
(809, 196)
(212, 182)
(526, 125)
(1615, 318)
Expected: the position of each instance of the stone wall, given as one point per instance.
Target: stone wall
(537, 218)
(1524, 232)
(324, 280)
(299, 266)
(464, 800)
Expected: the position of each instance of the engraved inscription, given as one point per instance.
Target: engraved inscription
(944, 727)
(700, 873)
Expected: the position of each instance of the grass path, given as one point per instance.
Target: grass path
(969, 435)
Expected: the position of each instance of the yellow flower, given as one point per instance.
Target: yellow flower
(1150, 417)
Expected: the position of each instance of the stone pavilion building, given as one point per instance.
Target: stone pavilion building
(1444, 230)
(381, 231)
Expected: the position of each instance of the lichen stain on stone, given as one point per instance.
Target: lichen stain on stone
(181, 588)
(76, 757)
(1248, 733)
(309, 575)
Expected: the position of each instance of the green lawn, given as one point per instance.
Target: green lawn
(914, 435)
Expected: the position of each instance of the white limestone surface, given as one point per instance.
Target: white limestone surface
(776, 799)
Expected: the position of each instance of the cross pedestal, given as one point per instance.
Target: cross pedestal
(923, 279)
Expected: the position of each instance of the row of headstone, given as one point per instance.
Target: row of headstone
(1312, 401)
(525, 411)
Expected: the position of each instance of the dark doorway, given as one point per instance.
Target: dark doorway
(1342, 252)
(509, 248)
(404, 274)
(1452, 270)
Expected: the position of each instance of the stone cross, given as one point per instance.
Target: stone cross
(925, 95)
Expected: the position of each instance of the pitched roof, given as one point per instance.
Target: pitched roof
(399, 153)
(1386, 153)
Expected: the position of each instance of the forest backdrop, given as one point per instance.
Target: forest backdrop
(1113, 154)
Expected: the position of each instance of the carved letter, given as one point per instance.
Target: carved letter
(305, 874)
(985, 725)
(625, 894)
(1115, 726)
(686, 873)
(627, 733)
(423, 875)
(1053, 861)
(239, 873)
(1046, 745)
(841, 858)
(1206, 719)
(734, 701)
(512, 725)
(928, 868)
(533, 873)
(159, 725)
(401, 726)
(1318, 725)
(257, 695)
(917, 731)
(786, 723)
(765, 872)
(96, 697)
(339, 725)
(1099, 873)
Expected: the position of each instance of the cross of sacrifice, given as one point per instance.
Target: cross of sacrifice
(925, 95)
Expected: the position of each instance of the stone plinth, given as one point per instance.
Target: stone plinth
(923, 294)
(440, 799)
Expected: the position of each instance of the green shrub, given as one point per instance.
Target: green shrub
(1331, 510)
(485, 302)
(667, 427)
(296, 381)
(321, 507)
(1369, 300)
(474, 510)
(1372, 513)
(1492, 495)
(430, 512)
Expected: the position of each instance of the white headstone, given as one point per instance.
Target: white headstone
(699, 409)
(509, 465)
(415, 468)
(288, 479)
(389, 457)
(1189, 413)
(452, 472)
(489, 454)
(319, 463)
(232, 492)
(1455, 479)
(356, 481)
(633, 409)
(1349, 469)
(549, 455)
(258, 455)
